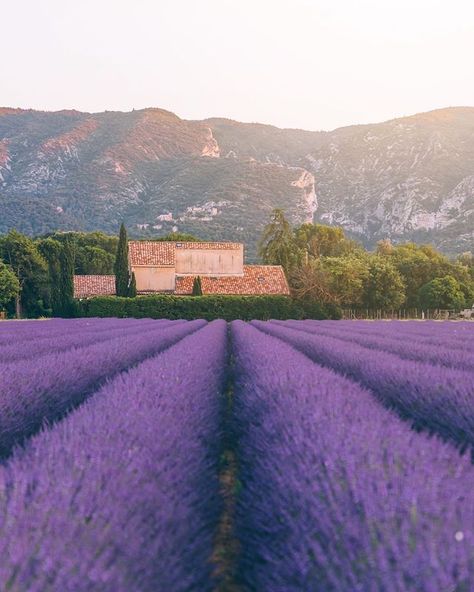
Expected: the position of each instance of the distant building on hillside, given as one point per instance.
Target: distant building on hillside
(165, 267)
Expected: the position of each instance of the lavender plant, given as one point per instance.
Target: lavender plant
(407, 348)
(33, 391)
(432, 397)
(43, 345)
(337, 494)
(123, 494)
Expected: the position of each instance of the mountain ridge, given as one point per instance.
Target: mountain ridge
(407, 178)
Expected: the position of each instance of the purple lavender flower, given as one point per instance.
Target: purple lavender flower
(42, 389)
(337, 493)
(123, 494)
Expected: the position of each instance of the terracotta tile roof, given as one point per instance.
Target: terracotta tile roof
(159, 253)
(162, 253)
(86, 286)
(257, 280)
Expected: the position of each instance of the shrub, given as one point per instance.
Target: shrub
(228, 308)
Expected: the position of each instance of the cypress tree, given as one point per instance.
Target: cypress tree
(132, 291)
(66, 280)
(122, 276)
(51, 251)
(197, 286)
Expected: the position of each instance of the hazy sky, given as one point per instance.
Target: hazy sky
(314, 64)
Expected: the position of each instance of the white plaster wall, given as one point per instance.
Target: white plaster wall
(210, 261)
(154, 279)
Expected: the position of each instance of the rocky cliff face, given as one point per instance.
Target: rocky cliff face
(410, 178)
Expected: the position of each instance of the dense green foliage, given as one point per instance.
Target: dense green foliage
(50, 249)
(443, 293)
(323, 264)
(94, 252)
(177, 237)
(384, 287)
(9, 286)
(22, 256)
(66, 285)
(205, 307)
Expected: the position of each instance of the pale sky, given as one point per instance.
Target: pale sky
(313, 64)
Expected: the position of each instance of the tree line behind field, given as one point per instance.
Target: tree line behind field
(36, 274)
(321, 263)
(322, 266)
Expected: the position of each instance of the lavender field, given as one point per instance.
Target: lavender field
(280, 456)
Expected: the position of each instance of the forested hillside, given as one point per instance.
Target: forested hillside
(410, 178)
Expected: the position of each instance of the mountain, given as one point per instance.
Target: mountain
(409, 178)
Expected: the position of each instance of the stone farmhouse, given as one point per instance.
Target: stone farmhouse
(166, 267)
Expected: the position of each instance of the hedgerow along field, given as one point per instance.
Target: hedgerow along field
(144, 455)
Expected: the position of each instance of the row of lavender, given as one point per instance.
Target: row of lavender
(334, 493)
(41, 388)
(337, 493)
(434, 392)
(123, 493)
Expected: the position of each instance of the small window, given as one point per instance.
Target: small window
(261, 279)
(179, 245)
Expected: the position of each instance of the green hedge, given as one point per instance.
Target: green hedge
(228, 308)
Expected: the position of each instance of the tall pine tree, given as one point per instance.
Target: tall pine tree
(66, 279)
(122, 276)
(132, 291)
(197, 286)
(51, 251)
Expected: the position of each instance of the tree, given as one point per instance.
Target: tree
(21, 254)
(467, 288)
(91, 260)
(132, 292)
(347, 278)
(100, 240)
(66, 279)
(51, 251)
(122, 275)
(384, 287)
(319, 240)
(178, 237)
(418, 264)
(384, 247)
(444, 293)
(277, 246)
(311, 281)
(467, 260)
(9, 285)
(197, 286)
